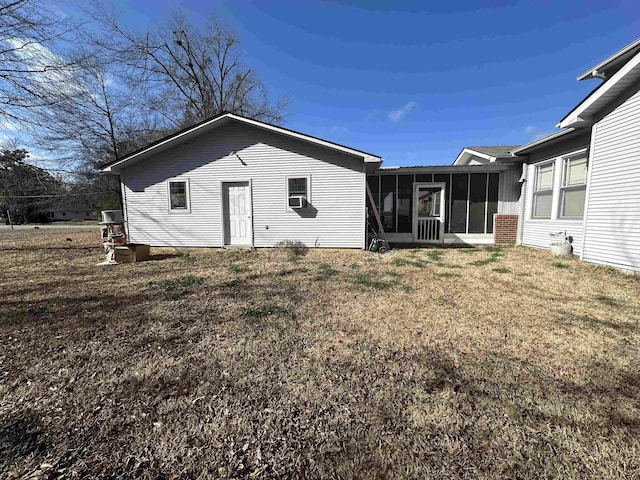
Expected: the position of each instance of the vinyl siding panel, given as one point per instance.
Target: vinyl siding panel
(537, 233)
(509, 191)
(612, 224)
(336, 218)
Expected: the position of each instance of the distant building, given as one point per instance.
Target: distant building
(68, 210)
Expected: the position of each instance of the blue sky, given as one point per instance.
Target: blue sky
(416, 81)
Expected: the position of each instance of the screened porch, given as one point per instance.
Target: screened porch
(437, 204)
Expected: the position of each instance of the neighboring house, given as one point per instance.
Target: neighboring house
(234, 181)
(484, 155)
(69, 211)
(584, 179)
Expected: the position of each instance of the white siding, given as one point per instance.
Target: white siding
(535, 232)
(612, 224)
(336, 218)
(509, 191)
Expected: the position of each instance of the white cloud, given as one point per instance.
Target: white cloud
(534, 132)
(8, 126)
(400, 113)
(48, 70)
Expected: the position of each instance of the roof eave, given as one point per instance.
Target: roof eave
(537, 143)
(583, 113)
(593, 72)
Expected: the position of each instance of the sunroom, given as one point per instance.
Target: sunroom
(443, 204)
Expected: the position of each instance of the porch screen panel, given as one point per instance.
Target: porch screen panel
(459, 185)
(444, 177)
(492, 200)
(477, 202)
(424, 177)
(374, 185)
(405, 203)
(388, 202)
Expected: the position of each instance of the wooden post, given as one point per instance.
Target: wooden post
(375, 213)
(9, 218)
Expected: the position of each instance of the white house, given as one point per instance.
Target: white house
(236, 181)
(233, 181)
(584, 179)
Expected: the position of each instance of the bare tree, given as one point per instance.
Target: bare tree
(196, 73)
(116, 90)
(29, 33)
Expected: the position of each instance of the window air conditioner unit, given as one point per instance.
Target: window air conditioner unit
(297, 202)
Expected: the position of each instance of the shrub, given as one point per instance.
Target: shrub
(295, 248)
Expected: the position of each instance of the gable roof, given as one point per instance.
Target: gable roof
(222, 119)
(497, 151)
(624, 77)
(490, 153)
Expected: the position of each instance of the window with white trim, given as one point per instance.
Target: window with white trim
(543, 190)
(574, 186)
(178, 195)
(297, 187)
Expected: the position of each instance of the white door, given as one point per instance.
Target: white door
(236, 199)
(428, 214)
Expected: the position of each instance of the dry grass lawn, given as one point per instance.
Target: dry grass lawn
(422, 363)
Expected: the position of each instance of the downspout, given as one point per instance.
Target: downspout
(522, 202)
(123, 203)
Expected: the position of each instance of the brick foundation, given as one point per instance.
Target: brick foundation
(505, 229)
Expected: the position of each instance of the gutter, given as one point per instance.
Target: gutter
(541, 141)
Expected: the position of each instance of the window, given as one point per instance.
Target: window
(543, 191)
(297, 187)
(574, 187)
(178, 195)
